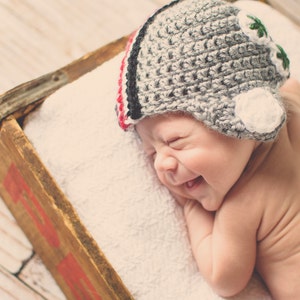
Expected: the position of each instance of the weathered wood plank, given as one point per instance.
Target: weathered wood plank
(38, 277)
(50, 222)
(14, 247)
(23, 98)
(13, 259)
(38, 37)
(13, 289)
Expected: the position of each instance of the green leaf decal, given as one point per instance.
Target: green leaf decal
(283, 56)
(259, 26)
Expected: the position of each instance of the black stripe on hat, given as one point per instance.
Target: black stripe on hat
(134, 106)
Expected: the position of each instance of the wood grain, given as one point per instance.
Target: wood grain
(25, 97)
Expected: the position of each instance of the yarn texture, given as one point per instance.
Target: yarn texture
(209, 59)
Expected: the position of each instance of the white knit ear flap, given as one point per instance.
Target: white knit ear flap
(259, 110)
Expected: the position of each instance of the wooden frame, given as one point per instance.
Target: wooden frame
(37, 203)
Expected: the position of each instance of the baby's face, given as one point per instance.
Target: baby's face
(191, 160)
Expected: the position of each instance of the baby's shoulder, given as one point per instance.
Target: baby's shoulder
(245, 201)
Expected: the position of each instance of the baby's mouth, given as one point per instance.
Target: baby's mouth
(194, 182)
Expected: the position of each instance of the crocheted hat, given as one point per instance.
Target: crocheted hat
(207, 58)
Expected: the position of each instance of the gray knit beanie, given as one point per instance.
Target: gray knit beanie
(210, 59)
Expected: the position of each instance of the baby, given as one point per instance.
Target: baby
(202, 83)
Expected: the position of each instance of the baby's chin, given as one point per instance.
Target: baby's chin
(209, 199)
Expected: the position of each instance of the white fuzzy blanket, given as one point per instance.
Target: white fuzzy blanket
(103, 172)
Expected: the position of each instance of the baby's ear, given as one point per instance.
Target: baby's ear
(292, 86)
(290, 92)
(259, 110)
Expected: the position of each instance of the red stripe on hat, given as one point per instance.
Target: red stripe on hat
(122, 117)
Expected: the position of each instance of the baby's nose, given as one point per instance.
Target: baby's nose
(164, 163)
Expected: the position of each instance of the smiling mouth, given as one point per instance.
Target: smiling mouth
(194, 182)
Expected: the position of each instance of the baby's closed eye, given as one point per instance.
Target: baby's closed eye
(176, 143)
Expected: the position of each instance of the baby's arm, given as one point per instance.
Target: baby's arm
(223, 246)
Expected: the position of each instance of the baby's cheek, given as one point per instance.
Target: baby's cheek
(162, 179)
